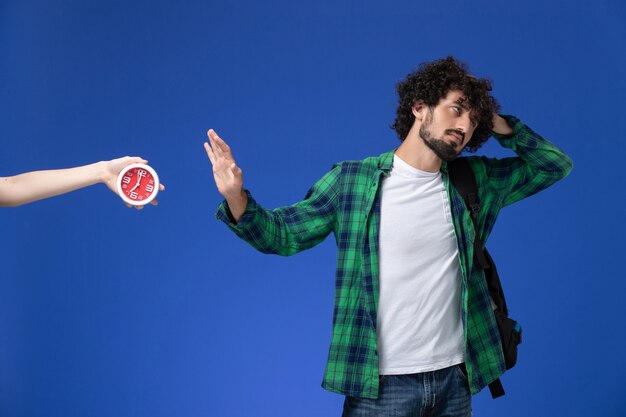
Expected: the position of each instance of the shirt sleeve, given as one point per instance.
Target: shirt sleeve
(291, 229)
(538, 164)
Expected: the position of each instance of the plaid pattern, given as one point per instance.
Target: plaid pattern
(346, 201)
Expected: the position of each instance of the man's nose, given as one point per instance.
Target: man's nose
(464, 123)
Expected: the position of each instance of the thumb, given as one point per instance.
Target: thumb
(235, 170)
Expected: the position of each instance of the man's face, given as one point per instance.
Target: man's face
(447, 127)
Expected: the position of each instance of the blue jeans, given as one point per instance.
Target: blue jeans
(441, 393)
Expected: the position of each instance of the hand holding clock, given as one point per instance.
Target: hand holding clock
(227, 175)
(123, 171)
(37, 185)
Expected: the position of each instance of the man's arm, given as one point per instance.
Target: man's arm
(538, 163)
(283, 231)
(37, 185)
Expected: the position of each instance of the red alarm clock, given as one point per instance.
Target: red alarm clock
(138, 184)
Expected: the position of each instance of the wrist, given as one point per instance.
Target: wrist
(501, 126)
(237, 204)
(101, 172)
(236, 196)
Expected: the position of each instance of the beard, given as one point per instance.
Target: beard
(444, 150)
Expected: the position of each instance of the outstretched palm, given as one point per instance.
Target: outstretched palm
(227, 174)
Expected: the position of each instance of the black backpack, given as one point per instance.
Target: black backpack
(463, 179)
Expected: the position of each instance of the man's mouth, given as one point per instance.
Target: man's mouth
(456, 136)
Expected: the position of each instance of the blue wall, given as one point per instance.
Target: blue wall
(198, 323)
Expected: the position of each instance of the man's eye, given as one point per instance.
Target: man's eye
(456, 109)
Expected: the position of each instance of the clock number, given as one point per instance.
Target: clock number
(141, 173)
(149, 188)
(126, 180)
(134, 195)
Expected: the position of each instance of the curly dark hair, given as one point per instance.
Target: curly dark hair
(431, 82)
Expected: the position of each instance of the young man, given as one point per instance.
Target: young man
(413, 330)
(37, 185)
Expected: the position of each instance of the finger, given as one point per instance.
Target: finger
(213, 138)
(212, 135)
(217, 151)
(213, 147)
(218, 145)
(128, 205)
(222, 145)
(154, 202)
(209, 153)
(211, 132)
(138, 207)
(135, 160)
(161, 187)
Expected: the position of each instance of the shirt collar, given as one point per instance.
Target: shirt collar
(385, 162)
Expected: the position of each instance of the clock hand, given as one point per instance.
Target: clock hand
(136, 185)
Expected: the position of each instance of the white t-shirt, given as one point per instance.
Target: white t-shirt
(419, 310)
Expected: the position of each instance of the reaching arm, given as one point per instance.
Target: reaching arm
(37, 185)
(283, 231)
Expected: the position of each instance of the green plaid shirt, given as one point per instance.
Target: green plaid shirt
(346, 201)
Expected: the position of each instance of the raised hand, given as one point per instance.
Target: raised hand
(501, 126)
(227, 175)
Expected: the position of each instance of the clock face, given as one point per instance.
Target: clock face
(138, 184)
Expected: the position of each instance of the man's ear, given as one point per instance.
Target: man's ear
(419, 110)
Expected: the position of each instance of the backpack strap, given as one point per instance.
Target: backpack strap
(464, 180)
(496, 389)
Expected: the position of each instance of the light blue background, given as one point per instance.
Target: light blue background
(195, 322)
